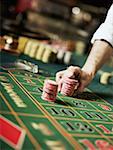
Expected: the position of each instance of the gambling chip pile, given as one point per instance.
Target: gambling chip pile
(50, 88)
(69, 86)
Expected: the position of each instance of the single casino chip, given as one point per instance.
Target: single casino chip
(49, 90)
(67, 57)
(69, 86)
(40, 51)
(28, 47)
(60, 55)
(105, 77)
(47, 54)
(34, 47)
(21, 43)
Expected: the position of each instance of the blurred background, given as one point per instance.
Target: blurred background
(65, 24)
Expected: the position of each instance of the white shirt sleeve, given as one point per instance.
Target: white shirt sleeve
(105, 31)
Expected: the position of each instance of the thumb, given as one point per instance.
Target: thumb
(81, 87)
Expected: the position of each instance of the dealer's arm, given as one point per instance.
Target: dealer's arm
(101, 51)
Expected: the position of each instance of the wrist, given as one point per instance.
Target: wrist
(90, 70)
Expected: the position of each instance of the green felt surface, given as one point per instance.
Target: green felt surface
(81, 122)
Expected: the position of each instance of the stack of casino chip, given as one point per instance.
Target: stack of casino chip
(69, 86)
(50, 89)
(22, 41)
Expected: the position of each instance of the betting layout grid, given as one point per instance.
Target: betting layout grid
(67, 123)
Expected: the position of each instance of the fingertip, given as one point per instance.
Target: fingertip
(74, 72)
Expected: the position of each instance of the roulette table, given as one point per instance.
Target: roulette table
(83, 122)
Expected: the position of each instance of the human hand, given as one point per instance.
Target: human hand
(83, 76)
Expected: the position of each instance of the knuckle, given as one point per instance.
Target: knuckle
(60, 73)
(71, 67)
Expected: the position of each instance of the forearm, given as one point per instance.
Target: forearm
(100, 53)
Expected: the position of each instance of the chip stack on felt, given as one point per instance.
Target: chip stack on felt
(69, 86)
(49, 90)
